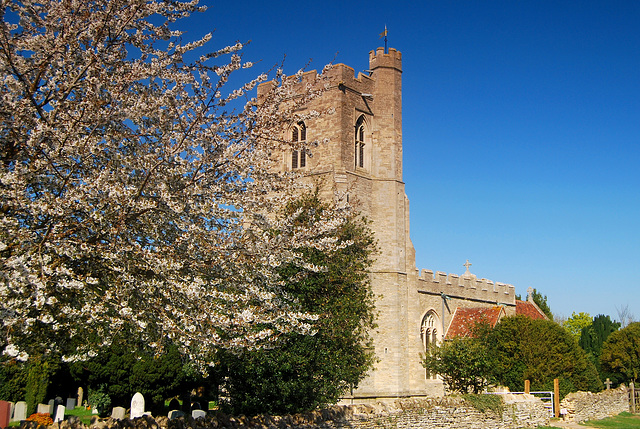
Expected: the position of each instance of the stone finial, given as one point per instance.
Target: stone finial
(530, 294)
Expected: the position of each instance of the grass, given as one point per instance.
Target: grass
(621, 421)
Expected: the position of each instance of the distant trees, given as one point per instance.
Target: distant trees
(621, 352)
(576, 323)
(305, 372)
(541, 302)
(592, 339)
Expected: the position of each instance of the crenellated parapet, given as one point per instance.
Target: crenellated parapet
(466, 287)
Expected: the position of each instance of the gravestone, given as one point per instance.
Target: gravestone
(59, 413)
(80, 396)
(56, 408)
(137, 405)
(175, 414)
(196, 406)
(196, 414)
(20, 411)
(71, 404)
(118, 413)
(608, 383)
(43, 409)
(52, 409)
(5, 414)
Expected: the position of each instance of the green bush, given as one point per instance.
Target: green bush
(99, 400)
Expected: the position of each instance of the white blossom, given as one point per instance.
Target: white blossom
(130, 196)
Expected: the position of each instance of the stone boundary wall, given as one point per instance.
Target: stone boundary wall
(583, 406)
(520, 411)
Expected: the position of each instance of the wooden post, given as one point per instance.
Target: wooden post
(633, 397)
(527, 386)
(556, 398)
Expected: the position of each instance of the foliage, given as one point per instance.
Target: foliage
(621, 352)
(123, 369)
(621, 421)
(99, 400)
(576, 323)
(538, 350)
(13, 380)
(38, 372)
(305, 372)
(131, 195)
(43, 419)
(593, 337)
(463, 364)
(484, 402)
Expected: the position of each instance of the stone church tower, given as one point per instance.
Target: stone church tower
(360, 156)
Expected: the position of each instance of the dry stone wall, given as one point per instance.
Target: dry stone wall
(583, 406)
(520, 411)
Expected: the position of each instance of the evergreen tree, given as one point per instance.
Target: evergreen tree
(538, 350)
(621, 353)
(304, 372)
(593, 337)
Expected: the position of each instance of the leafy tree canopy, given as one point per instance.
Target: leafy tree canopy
(131, 195)
(621, 352)
(538, 350)
(576, 323)
(541, 302)
(305, 372)
(463, 364)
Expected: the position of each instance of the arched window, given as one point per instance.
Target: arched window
(360, 143)
(298, 138)
(429, 335)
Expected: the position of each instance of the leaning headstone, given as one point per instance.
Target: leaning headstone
(175, 414)
(59, 413)
(20, 411)
(43, 409)
(137, 405)
(5, 414)
(198, 413)
(118, 413)
(52, 407)
(71, 404)
(80, 396)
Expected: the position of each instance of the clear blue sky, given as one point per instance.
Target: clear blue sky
(521, 129)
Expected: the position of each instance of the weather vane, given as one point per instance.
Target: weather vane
(384, 34)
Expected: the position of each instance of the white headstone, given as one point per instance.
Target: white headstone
(43, 408)
(137, 405)
(198, 413)
(59, 413)
(20, 411)
(118, 413)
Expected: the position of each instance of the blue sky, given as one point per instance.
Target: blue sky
(521, 129)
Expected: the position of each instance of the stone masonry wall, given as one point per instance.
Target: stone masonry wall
(583, 406)
(520, 411)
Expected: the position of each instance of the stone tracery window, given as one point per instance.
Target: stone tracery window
(362, 145)
(299, 138)
(429, 335)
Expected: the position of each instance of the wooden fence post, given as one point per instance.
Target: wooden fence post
(527, 386)
(556, 398)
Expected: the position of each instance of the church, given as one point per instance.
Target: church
(360, 157)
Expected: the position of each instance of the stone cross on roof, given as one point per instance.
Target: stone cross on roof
(530, 294)
(467, 264)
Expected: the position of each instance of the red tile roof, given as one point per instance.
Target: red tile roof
(529, 309)
(465, 319)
